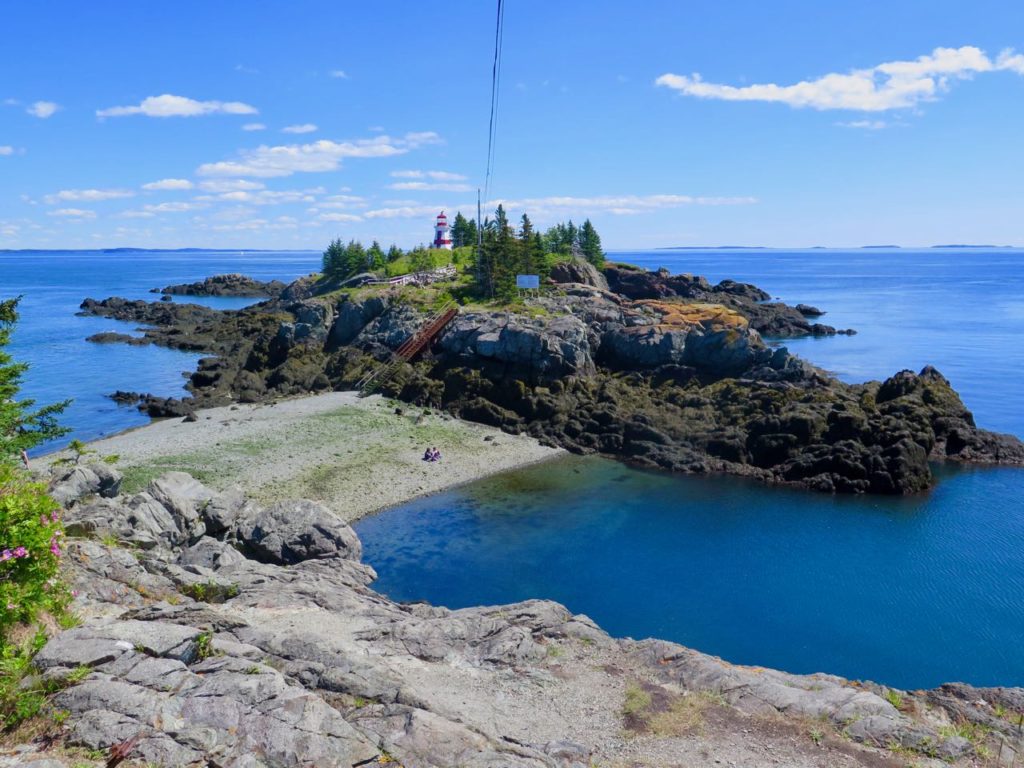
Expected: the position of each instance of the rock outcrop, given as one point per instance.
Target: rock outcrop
(195, 654)
(226, 285)
(666, 371)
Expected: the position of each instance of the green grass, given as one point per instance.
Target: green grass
(637, 701)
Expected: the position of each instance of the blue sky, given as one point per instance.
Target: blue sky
(234, 124)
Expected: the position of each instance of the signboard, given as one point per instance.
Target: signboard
(527, 282)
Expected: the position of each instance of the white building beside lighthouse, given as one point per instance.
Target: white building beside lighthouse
(442, 232)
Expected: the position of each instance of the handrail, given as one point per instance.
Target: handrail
(409, 348)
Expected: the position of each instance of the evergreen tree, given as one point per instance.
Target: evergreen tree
(460, 231)
(420, 260)
(334, 260)
(375, 256)
(394, 253)
(590, 244)
(531, 248)
(21, 428)
(355, 258)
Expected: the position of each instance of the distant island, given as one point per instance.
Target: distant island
(713, 248)
(885, 247)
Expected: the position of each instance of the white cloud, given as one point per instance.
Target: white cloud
(87, 195)
(169, 105)
(169, 184)
(265, 196)
(302, 128)
(339, 217)
(43, 109)
(1008, 60)
(254, 127)
(892, 85)
(434, 175)
(339, 74)
(319, 156)
(136, 215)
(230, 185)
(5, 150)
(424, 186)
(865, 125)
(621, 204)
(403, 212)
(73, 213)
(172, 207)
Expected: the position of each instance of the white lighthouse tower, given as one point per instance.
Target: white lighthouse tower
(442, 232)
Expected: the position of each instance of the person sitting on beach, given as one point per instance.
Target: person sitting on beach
(428, 455)
(435, 455)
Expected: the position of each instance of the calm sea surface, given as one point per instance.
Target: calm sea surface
(911, 592)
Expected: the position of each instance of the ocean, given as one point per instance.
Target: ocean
(907, 591)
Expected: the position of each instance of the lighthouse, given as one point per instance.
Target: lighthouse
(442, 232)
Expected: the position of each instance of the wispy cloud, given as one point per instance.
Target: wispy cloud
(230, 185)
(431, 186)
(265, 196)
(6, 150)
(865, 125)
(340, 74)
(169, 184)
(403, 212)
(173, 207)
(73, 213)
(433, 175)
(621, 204)
(169, 105)
(43, 109)
(87, 195)
(254, 127)
(302, 128)
(887, 86)
(340, 217)
(317, 157)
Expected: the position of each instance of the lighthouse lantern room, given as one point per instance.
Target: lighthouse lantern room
(442, 232)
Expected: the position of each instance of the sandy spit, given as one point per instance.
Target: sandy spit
(356, 455)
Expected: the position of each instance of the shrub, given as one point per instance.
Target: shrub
(30, 548)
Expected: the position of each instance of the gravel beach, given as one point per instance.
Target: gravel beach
(357, 455)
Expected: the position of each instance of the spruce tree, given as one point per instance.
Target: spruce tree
(375, 256)
(394, 253)
(590, 244)
(21, 427)
(334, 259)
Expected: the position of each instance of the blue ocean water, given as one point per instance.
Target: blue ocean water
(911, 591)
(51, 338)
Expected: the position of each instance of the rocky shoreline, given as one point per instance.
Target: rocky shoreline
(216, 631)
(665, 371)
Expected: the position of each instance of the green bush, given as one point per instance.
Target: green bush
(30, 549)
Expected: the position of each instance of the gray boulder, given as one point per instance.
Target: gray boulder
(293, 531)
(78, 482)
(579, 271)
(351, 317)
(183, 497)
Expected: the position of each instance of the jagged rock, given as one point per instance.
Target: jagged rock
(225, 285)
(352, 317)
(292, 531)
(579, 270)
(546, 349)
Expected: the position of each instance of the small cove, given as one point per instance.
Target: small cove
(911, 592)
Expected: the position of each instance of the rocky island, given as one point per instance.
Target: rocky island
(665, 371)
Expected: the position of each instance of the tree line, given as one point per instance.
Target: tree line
(506, 251)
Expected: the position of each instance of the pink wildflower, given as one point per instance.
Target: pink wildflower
(20, 552)
(54, 548)
(44, 520)
(53, 515)
(74, 593)
(7, 555)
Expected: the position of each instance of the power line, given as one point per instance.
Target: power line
(492, 128)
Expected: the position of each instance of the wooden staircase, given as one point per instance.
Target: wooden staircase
(411, 347)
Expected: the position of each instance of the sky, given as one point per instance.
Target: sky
(667, 123)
